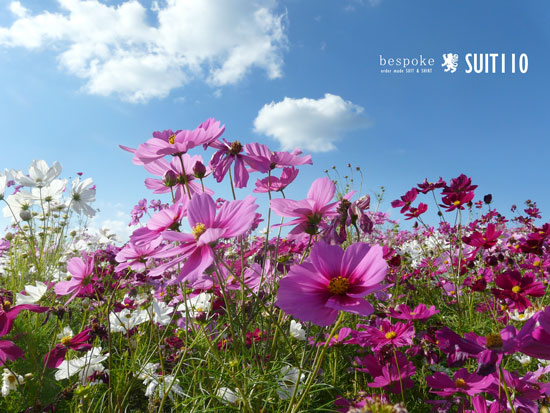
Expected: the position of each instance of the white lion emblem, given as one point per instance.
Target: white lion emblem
(450, 61)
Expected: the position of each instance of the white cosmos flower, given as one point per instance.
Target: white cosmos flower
(3, 183)
(67, 332)
(297, 331)
(16, 203)
(10, 382)
(82, 196)
(148, 372)
(290, 377)
(34, 293)
(40, 174)
(83, 366)
(160, 385)
(49, 193)
(227, 395)
(159, 312)
(196, 304)
(526, 315)
(125, 320)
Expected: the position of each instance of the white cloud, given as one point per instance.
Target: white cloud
(117, 51)
(313, 125)
(17, 8)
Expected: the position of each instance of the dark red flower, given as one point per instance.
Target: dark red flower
(516, 288)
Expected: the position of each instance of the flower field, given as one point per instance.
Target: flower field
(320, 304)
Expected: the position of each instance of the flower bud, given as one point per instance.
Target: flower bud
(25, 215)
(170, 178)
(199, 170)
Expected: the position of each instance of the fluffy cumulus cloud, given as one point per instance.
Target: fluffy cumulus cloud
(117, 50)
(311, 124)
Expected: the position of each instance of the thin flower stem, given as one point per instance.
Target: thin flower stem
(317, 365)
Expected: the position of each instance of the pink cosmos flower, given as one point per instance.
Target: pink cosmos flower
(174, 178)
(229, 152)
(534, 336)
(274, 184)
(333, 280)
(262, 159)
(389, 375)
(136, 256)
(309, 212)
(396, 335)
(208, 226)
(464, 382)
(79, 342)
(420, 312)
(168, 218)
(82, 272)
(176, 143)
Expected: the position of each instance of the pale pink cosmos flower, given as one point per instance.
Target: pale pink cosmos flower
(208, 225)
(262, 159)
(176, 143)
(81, 271)
(310, 212)
(168, 218)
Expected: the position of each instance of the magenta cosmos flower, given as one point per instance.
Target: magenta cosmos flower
(82, 273)
(229, 152)
(420, 312)
(9, 351)
(208, 225)
(8, 314)
(516, 288)
(396, 335)
(80, 342)
(333, 280)
(309, 212)
(464, 382)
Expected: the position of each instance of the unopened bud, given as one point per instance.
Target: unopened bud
(199, 170)
(25, 215)
(170, 178)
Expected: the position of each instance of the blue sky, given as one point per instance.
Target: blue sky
(78, 78)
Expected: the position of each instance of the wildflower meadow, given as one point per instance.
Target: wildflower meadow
(263, 303)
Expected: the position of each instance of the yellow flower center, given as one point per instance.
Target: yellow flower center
(390, 335)
(456, 203)
(6, 304)
(493, 341)
(172, 139)
(198, 230)
(66, 340)
(338, 285)
(516, 289)
(460, 383)
(536, 263)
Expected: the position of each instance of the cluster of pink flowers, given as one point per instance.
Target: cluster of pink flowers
(449, 317)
